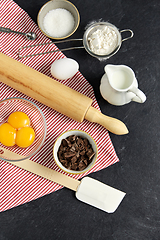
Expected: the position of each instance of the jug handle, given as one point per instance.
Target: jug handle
(140, 96)
(127, 30)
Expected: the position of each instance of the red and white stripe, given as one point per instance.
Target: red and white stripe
(17, 185)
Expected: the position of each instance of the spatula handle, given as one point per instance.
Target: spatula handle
(41, 170)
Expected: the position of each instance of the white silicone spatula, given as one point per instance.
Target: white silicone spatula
(99, 195)
(87, 190)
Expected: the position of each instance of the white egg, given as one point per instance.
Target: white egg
(64, 68)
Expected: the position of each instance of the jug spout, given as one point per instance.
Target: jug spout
(109, 70)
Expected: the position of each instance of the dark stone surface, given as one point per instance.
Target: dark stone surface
(60, 215)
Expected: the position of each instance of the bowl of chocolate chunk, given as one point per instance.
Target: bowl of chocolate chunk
(75, 151)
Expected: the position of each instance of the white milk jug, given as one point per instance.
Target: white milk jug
(119, 85)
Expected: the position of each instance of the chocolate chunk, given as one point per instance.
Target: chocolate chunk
(72, 138)
(64, 163)
(75, 146)
(64, 143)
(78, 154)
(85, 162)
(68, 143)
(69, 166)
(74, 159)
(62, 148)
(69, 154)
(91, 155)
(82, 157)
(82, 152)
(73, 149)
(60, 154)
(79, 141)
(74, 166)
(75, 153)
(81, 166)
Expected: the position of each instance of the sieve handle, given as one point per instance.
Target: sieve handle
(41, 53)
(127, 30)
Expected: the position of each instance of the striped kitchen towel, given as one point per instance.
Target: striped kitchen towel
(19, 186)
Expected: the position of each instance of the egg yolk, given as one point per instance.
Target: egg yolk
(25, 137)
(18, 120)
(7, 135)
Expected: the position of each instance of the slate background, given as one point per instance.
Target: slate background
(60, 216)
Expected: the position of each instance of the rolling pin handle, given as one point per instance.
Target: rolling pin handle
(111, 124)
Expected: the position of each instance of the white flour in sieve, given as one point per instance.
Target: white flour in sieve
(103, 41)
(58, 22)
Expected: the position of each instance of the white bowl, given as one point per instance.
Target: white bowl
(54, 5)
(77, 133)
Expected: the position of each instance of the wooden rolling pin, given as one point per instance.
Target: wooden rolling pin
(54, 94)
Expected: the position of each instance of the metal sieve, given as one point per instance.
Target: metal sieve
(94, 27)
(90, 29)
